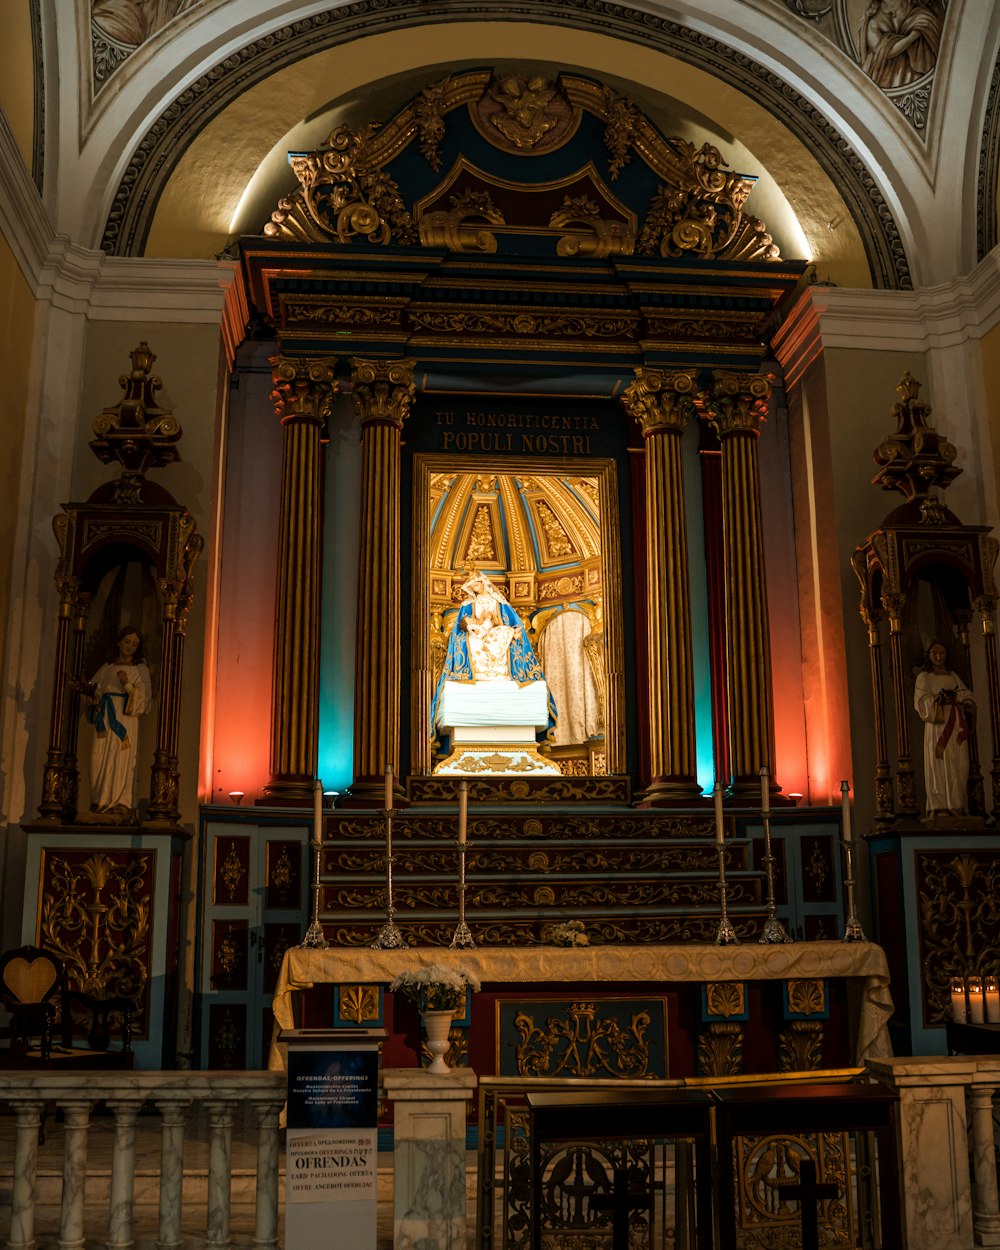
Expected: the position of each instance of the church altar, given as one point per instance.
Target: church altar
(610, 969)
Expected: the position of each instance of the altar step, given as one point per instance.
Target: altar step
(628, 876)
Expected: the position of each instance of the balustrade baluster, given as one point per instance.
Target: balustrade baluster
(22, 1206)
(220, 1142)
(171, 1173)
(76, 1123)
(122, 1175)
(266, 1223)
(986, 1212)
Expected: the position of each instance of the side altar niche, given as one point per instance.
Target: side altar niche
(492, 698)
(104, 854)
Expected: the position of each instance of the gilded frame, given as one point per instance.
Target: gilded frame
(605, 470)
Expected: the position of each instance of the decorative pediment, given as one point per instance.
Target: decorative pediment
(383, 185)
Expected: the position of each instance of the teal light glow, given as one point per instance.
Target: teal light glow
(705, 761)
(335, 762)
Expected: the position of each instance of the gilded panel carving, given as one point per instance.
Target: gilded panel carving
(603, 1037)
(766, 1219)
(96, 911)
(231, 879)
(720, 1049)
(800, 1047)
(359, 1004)
(959, 899)
(725, 998)
(806, 997)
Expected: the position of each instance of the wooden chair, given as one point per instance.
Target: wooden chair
(52, 1026)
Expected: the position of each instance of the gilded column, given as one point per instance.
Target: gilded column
(663, 403)
(383, 392)
(303, 392)
(906, 792)
(736, 405)
(884, 807)
(986, 606)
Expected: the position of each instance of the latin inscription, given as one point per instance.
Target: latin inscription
(520, 433)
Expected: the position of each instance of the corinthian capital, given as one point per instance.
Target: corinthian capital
(736, 403)
(303, 388)
(383, 390)
(661, 402)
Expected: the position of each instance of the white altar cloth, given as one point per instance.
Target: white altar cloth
(492, 703)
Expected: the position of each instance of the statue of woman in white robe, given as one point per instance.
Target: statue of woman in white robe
(946, 705)
(118, 694)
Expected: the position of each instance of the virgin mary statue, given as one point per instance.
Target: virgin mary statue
(492, 688)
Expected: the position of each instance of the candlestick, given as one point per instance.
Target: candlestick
(845, 811)
(976, 1012)
(315, 938)
(992, 1001)
(720, 833)
(463, 811)
(773, 930)
(725, 935)
(958, 1008)
(389, 937)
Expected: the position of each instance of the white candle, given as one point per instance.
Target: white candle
(720, 833)
(992, 1001)
(958, 1000)
(976, 1013)
(463, 811)
(765, 790)
(317, 810)
(845, 808)
(388, 789)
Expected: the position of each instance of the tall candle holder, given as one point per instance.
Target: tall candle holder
(315, 938)
(725, 935)
(389, 937)
(462, 938)
(774, 931)
(853, 931)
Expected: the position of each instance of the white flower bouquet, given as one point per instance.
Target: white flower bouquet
(435, 988)
(566, 933)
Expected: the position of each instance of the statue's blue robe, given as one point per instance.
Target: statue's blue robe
(524, 666)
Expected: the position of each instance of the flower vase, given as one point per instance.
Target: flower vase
(437, 1026)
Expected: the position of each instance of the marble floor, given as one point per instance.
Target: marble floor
(50, 1171)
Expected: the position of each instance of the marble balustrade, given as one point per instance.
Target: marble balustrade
(173, 1094)
(949, 1175)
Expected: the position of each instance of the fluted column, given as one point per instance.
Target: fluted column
(383, 393)
(303, 392)
(736, 405)
(663, 403)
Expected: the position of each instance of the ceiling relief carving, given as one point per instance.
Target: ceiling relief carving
(896, 43)
(670, 198)
(119, 27)
(155, 156)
